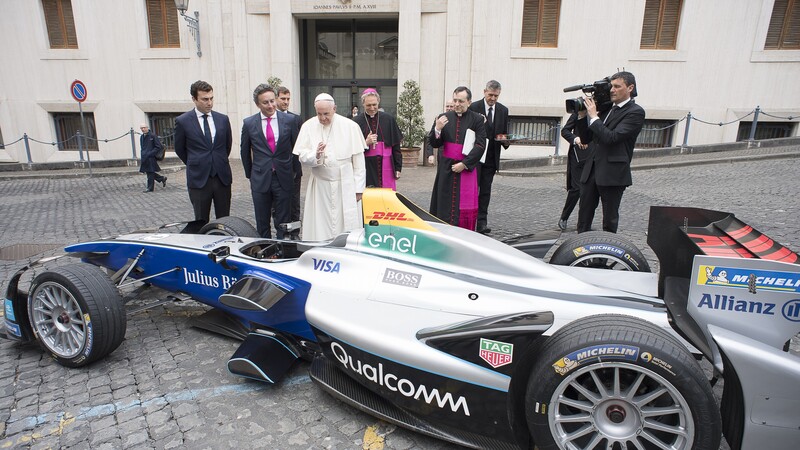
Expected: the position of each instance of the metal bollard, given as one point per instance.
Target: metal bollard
(133, 145)
(558, 135)
(80, 144)
(754, 124)
(686, 130)
(27, 148)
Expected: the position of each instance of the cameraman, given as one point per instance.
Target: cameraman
(611, 136)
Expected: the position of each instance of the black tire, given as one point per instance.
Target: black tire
(77, 314)
(230, 226)
(563, 394)
(601, 250)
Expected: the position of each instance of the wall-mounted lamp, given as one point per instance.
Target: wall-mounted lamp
(194, 22)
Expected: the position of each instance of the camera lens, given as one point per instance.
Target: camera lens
(575, 104)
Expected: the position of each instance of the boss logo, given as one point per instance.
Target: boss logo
(401, 278)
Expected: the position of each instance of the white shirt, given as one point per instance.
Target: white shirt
(210, 123)
(273, 124)
(618, 105)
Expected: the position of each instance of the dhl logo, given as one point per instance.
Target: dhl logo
(391, 216)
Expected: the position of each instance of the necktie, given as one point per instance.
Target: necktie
(490, 118)
(613, 108)
(207, 130)
(270, 135)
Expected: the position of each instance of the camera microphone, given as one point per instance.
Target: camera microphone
(573, 88)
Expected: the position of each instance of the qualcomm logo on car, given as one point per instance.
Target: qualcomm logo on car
(392, 382)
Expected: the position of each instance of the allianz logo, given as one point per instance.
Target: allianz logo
(404, 386)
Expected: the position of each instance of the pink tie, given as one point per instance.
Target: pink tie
(270, 135)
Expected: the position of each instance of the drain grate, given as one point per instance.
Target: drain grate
(23, 251)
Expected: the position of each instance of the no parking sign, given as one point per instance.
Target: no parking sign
(78, 91)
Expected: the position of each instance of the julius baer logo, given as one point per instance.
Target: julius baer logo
(394, 383)
(201, 279)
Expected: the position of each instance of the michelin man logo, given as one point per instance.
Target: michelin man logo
(721, 277)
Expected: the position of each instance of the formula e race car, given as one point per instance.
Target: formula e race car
(458, 336)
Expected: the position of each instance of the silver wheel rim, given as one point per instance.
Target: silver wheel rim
(602, 262)
(619, 406)
(58, 320)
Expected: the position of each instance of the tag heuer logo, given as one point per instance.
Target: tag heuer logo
(496, 353)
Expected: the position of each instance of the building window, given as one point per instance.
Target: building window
(784, 26)
(656, 134)
(660, 26)
(540, 23)
(163, 125)
(162, 20)
(67, 127)
(536, 130)
(766, 130)
(60, 23)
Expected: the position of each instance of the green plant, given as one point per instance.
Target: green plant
(409, 115)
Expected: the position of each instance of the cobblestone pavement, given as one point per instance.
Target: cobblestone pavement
(166, 386)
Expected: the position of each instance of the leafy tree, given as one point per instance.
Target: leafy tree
(409, 115)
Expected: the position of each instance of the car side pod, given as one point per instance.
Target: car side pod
(262, 356)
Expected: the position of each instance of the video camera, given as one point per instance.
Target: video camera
(600, 91)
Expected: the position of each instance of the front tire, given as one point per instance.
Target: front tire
(600, 250)
(76, 314)
(617, 382)
(229, 226)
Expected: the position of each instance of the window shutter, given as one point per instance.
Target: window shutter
(661, 22)
(784, 26)
(60, 23)
(670, 17)
(540, 23)
(162, 20)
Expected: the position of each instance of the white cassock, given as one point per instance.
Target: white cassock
(330, 204)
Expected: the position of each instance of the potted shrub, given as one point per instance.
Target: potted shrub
(411, 122)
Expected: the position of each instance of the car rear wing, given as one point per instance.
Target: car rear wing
(677, 234)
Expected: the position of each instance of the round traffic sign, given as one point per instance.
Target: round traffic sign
(78, 91)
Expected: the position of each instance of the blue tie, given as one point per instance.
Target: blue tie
(207, 130)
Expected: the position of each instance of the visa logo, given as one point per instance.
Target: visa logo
(323, 265)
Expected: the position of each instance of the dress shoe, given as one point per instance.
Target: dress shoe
(562, 224)
(484, 230)
(164, 182)
(147, 190)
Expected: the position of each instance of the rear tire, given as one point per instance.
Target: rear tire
(77, 314)
(600, 250)
(229, 226)
(644, 387)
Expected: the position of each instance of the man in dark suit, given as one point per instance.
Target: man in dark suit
(268, 138)
(496, 123)
(203, 142)
(151, 147)
(611, 137)
(576, 158)
(284, 98)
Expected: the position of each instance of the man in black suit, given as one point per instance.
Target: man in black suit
(151, 147)
(576, 158)
(203, 142)
(284, 98)
(611, 137)
(496, 123)
(268, 138)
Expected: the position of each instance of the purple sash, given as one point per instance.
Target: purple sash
(387, 172)
(468, 193)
